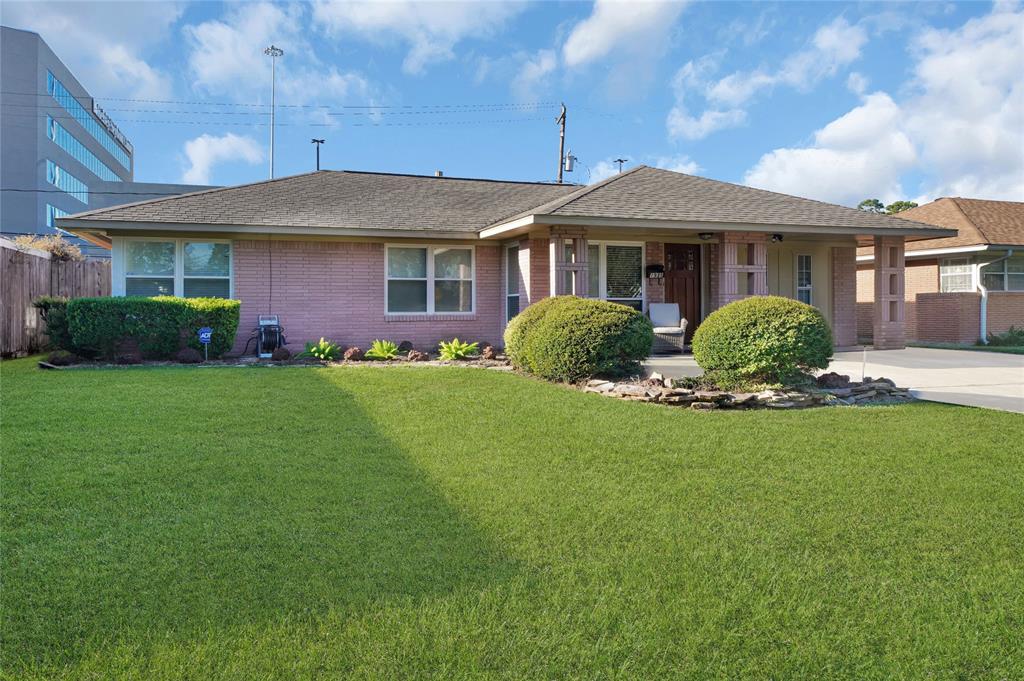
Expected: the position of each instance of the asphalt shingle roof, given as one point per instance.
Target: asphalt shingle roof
(346, 200)
(379, 201)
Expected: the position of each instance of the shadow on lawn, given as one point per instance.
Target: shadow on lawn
(249, 501)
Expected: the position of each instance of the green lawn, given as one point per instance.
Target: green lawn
(291, 523)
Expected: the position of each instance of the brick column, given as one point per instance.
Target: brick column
(889, 313)
(575, 266)
(725, 269)
(655, 255)
(534, 271)
(844, 295)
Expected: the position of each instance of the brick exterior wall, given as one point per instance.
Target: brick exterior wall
(534, 270)
(654, 255)
(336, 290)
(888, 315)
(844, 296)
(724, 267)
(947, 317)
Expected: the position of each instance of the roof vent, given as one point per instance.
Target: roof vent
(438, 173)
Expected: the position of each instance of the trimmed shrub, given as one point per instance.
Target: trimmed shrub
(762, 339)
(519, 326)
(54, 311)
(576, 338)
(1011, 337)
(62, 358)
(160, 326)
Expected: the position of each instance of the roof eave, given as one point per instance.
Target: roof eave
(522, 225)
(96, 226)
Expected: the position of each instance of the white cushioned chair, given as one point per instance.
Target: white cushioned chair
(669, 327)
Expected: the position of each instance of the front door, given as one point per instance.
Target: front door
(682, 282)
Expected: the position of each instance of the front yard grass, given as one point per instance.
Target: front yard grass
(430, 522)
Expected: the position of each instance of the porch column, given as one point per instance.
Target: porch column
(534, 276)
(844, 295)
(569, 270)
(731, 279)
(655, 255)
(889, 313)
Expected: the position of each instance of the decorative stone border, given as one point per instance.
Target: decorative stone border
(663, 391)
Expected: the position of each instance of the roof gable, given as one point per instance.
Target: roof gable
(978, 222)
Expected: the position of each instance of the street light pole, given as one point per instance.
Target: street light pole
(273, 53)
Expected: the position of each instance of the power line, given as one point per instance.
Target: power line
(431, 112)
(468, 122)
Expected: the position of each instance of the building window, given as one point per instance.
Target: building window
(955, 276)
(614, 273)
(177, 267)
(52, 213)
(511, 282)
(1007, 275)
(85, 119)
(804, 286)
(62, 179)
(429, 279)
(69, 143)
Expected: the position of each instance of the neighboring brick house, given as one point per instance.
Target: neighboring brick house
(356, 256)
(958, 289)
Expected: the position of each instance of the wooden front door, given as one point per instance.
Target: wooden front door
(682, 282)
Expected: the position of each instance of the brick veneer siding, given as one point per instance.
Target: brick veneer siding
(889, 313)
(844, 295)
(724, 267)
(1005, 309)
(947, 317)
(534, 270)
(336, 290)
(654, 255)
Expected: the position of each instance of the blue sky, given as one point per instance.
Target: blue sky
(836, 101)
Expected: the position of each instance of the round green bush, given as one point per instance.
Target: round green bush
(571, 339)
(765, 339)
(519, 326)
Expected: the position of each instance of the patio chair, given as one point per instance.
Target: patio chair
(669, 327)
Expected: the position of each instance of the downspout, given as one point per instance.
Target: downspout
(983, 330)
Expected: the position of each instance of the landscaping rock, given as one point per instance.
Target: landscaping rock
(488, 352)
(281, 355)
(630, 390)
(833, 380)
(704, 406)
(353, 354)
(404, 347)
(838, 392)
(417, 356)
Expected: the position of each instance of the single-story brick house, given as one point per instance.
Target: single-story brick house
(355, 256)
(961, 288)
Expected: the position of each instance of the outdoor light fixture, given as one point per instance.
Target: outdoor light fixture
(705, 236)
(776, 238)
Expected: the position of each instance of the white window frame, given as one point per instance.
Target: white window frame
(1004, 273)
(505, 270)
(972, 272)
(602, 270)
(119, 252)
(796, 277)
(430, 248)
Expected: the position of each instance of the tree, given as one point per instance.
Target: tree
(872, 206)
(899, 207)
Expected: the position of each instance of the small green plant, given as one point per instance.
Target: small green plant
(455, 349)
(382, 349)
(324, 350)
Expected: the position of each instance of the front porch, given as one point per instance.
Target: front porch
(703, 270)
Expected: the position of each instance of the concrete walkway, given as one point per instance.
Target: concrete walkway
(977, 379)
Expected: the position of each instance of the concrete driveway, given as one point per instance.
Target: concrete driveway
(977, 379)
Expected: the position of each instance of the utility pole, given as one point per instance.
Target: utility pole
(318, 143)
(620, 161)
(273, 53)
(561, 142)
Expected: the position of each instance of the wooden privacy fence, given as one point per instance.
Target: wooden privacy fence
(27, 274)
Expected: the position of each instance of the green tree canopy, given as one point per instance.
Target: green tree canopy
(872, 206)
(899, 207)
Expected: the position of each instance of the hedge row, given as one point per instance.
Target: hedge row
(161, 326)
(570, 339)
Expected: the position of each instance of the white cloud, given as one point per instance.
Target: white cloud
(860, 154)
(534, 74)
(961, 127)
(431, 29)
(678, 164)
(857, 83)
(103, 43)
(602, 170)
(206, 151)
(226, 57)
(629, 36)
(680, 122)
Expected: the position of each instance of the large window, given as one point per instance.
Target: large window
(614, 272)
(429, 279)
(177, 267)
(52, 213)
(955, 275)
(804, 287)
(62, 179)
(69, 143)
(511, 282)
(86, 119)
(1006, 275)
